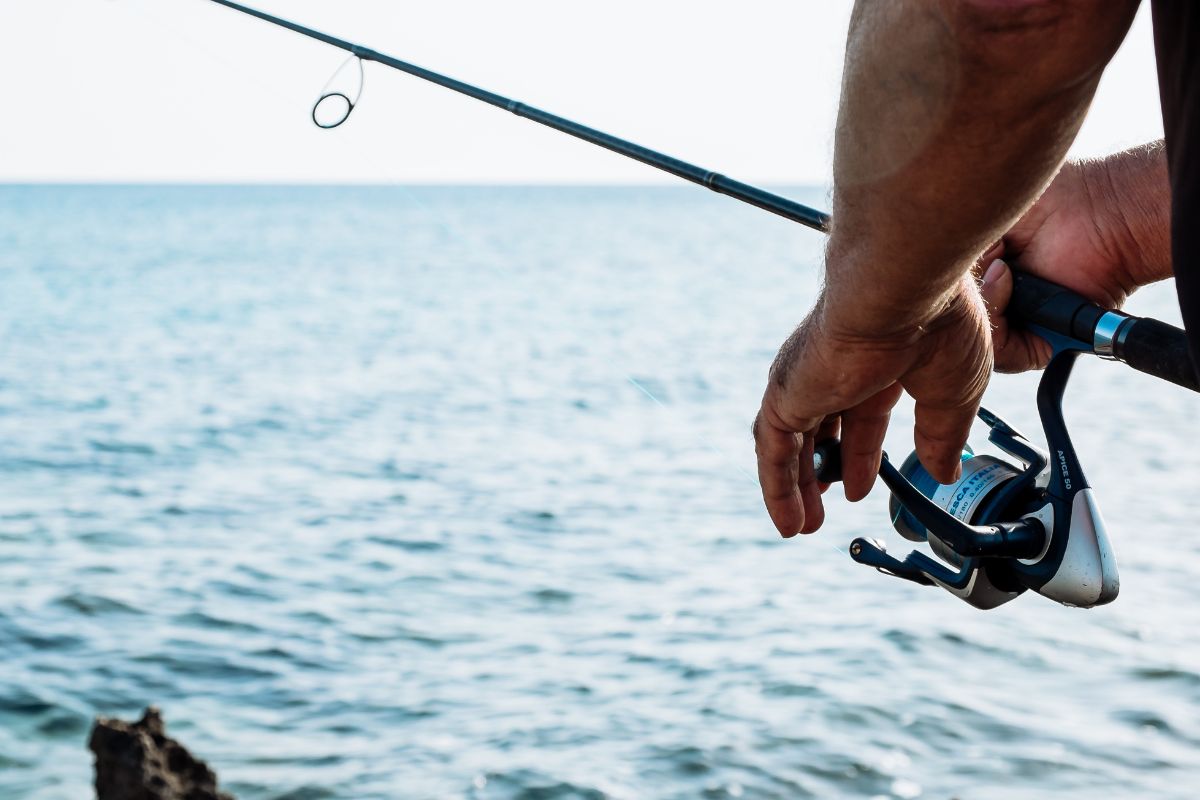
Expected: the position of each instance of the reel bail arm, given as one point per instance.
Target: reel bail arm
(1024, 538)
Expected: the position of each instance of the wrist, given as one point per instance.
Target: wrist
(1131, 199)
(860, 305)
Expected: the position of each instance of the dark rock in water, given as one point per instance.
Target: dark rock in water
(138, 761)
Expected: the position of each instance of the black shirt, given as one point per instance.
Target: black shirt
(1177, 46)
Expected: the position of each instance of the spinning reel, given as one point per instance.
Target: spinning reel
(1005, 527)
(1002, 527)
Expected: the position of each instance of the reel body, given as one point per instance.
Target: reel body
(1003, 528)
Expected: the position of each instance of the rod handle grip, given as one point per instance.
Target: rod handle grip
(1037, 301)
(1148, 345)
(1157, 349)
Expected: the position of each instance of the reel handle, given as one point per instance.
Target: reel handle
(1147, 345)
(827, 460)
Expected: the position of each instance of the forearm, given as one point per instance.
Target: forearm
(954, 116)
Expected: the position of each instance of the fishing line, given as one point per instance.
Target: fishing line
(712, 447)
(331, 110)
(1043, 537)
(721, 454)
(709, 179)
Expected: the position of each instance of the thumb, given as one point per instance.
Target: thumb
(1014, 350)
(996, 290)
(993, 253)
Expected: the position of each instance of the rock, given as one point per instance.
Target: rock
(139, 761)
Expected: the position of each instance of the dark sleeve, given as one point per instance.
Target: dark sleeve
(1177, 45)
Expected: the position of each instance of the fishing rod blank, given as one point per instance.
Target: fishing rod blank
(1069, 320)
(774, 203)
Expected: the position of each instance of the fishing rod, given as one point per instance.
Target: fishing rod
(715, 181)
(1002, 528)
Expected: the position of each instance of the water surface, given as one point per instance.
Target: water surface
(445, 493)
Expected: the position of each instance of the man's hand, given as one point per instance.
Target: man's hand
(833, 373)
(954, 115)
(1102, 229)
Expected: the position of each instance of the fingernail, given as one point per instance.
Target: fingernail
(994, 271)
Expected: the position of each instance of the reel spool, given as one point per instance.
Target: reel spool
(970, 499)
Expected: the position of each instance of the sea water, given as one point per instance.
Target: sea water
(448, 493)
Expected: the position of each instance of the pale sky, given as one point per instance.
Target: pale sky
(185, 90)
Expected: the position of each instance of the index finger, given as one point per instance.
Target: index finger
(778, 452)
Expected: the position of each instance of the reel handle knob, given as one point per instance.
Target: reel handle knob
(873, 553)
(827, 460)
